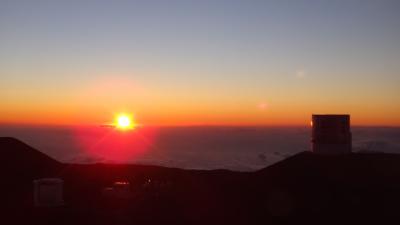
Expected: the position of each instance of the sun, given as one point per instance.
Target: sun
(124, 122)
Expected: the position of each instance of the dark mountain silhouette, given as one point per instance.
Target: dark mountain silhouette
(16, 154)
(304, 189)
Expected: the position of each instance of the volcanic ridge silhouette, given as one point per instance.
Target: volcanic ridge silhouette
(306, 188)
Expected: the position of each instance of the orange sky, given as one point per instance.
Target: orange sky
(231, 63)
(99, 102)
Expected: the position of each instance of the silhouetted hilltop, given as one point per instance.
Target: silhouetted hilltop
(362, 166)
(306, 188)
(17, 156)
(359, 188)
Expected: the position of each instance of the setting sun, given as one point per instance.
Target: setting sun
(124, 122)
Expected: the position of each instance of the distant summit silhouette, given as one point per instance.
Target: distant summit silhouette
(20, 158)
(354, 168)
(306, 188)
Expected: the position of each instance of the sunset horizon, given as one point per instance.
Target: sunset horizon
(225, 112)
(259, 63)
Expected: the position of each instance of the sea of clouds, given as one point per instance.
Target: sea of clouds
(234, 148)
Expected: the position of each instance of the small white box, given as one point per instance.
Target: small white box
(48, 192)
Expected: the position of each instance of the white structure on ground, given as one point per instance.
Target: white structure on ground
(48, 192)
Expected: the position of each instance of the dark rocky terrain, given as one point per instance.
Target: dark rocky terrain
(304, 189)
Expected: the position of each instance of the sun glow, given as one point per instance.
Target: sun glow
(124, 122)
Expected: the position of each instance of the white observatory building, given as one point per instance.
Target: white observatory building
(331, 134)
(48, 192)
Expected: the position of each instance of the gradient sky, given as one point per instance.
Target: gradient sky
(199, 62)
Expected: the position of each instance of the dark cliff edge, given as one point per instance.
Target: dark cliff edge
(20, 159)
(303, 189)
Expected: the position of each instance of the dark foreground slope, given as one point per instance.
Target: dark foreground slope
(303, 189)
